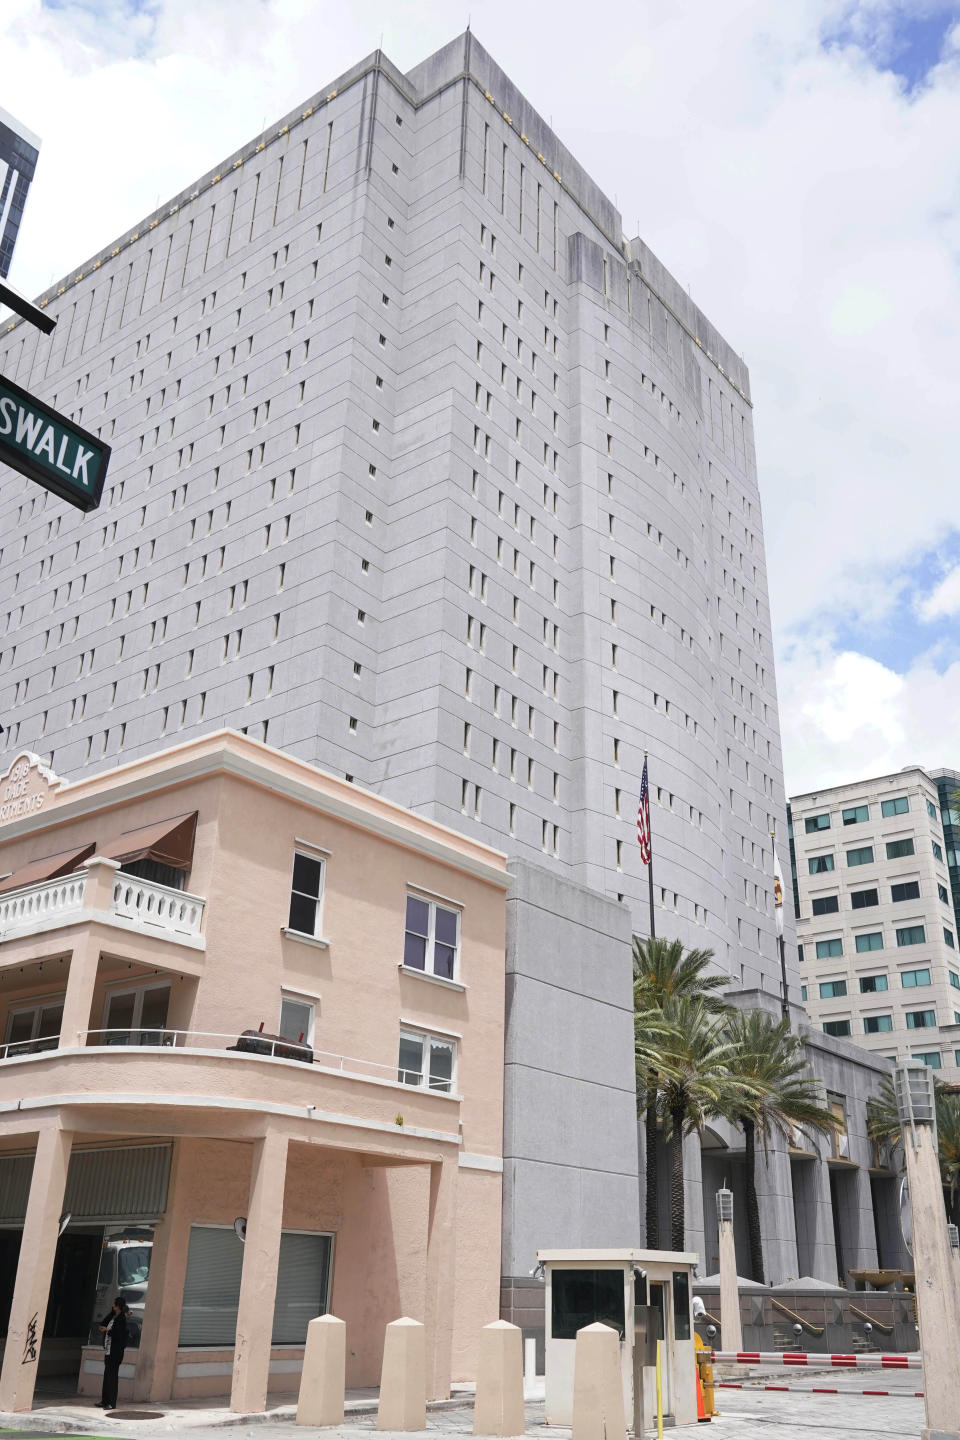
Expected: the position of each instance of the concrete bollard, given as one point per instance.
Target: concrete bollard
(598, 1385)
(499, 1403)
(323, 1380)
(403, 1379)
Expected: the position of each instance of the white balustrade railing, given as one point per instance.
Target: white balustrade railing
(157, 906)
(50, 900)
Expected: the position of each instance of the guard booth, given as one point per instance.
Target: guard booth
(645, 1295)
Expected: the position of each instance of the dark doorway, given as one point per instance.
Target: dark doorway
(72, 1291)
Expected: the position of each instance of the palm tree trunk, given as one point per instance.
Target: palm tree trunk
(653, 1217)
(753, 1207)
(677, 1216)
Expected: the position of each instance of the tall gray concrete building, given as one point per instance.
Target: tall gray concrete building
(426, 474)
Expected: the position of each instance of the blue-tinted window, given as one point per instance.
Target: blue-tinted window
(911, 935)
(909, 890)
(820, 864)
(931, 1058)
(921, 1019)
(816, 822)
(899, 806)
(862, 855)
(931, 810)
(864, 899)
(833, 989)
(877, 1024)
(937, 852)
(870, 984)
(803, 992)
(910, 979)
(800, 953)
(873, 941)
(897, 849)
(827, 948)
(836, 1027)
(954, 979)
(855, 815)
(942, 892)
(826, 905)
(948, 937)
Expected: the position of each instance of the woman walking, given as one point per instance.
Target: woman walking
(114, 1329)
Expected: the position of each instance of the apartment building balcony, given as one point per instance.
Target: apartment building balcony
(139, 905)
(164, 1081)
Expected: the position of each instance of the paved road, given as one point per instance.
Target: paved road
(755, 1414)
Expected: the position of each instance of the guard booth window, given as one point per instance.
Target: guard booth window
(681, 1305)
(583, 1297)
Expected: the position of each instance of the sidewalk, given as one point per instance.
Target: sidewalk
(82, 1417)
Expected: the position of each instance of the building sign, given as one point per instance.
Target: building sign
(50, 449)
(27, 787)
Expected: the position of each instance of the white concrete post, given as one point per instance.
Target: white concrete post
(598, 1385)
(731, 1332)
(403, 1379)
(499, 1403)
(31, 1289)
(258, 1278)
(323, 1380)
(937, 1308)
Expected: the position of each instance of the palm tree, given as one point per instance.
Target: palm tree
(948, 1137)
(780, 1096)
(697, 1084)
(883, 1125)
(663, 970)
(883, 1115)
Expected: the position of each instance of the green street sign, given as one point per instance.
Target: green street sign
(50, 449)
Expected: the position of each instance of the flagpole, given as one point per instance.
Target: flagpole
(784, 1001)
(653, 928)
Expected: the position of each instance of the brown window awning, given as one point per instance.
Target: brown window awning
(169, 842)
(50, 867)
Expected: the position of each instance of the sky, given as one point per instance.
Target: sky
(795, 163)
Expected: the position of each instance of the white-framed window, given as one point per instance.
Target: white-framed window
(427, 1061)
(34, 1027)
(297, 1017)
(431, 941)
(306, 893)
(136, 1015)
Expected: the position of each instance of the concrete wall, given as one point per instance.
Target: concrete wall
(570, 1153)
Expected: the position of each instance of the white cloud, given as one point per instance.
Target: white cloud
(812, 206)
(943, 599)
(846, 716)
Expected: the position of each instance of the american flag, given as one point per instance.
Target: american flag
(643, 818)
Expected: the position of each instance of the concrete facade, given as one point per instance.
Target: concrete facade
(570, 1175)
(157, 1010)
(883, 966)
(426, 475)
(828, 1206)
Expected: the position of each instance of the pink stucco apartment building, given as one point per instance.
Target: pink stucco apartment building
(240, 995)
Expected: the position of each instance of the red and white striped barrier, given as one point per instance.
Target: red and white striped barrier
(816, 1390)
(804, 1358)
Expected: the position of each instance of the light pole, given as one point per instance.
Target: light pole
(731, 1335)
(937, 1310)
